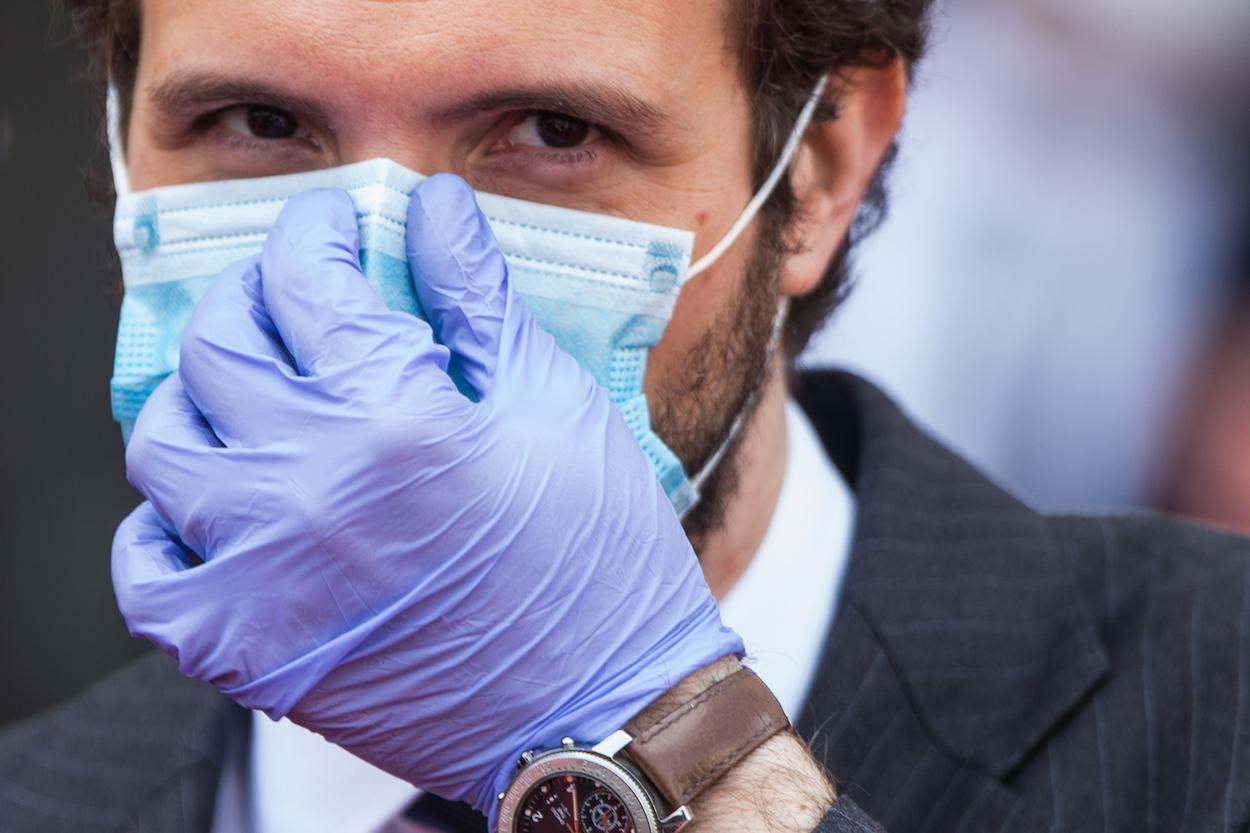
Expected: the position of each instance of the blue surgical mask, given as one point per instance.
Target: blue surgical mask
(603, 286)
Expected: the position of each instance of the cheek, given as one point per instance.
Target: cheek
(704, 305)
(150, 167)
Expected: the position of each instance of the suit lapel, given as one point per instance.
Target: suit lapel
(959, 584)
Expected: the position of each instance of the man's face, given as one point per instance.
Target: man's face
(634, 108)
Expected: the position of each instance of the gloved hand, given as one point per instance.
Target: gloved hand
(336, 533)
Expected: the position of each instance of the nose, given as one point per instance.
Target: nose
(424, 150)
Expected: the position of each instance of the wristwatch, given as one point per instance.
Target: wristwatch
(642, 778)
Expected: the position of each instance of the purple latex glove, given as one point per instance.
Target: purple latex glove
(434, 583)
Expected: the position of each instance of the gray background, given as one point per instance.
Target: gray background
(62, 489)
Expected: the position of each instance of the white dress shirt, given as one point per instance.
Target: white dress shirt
(783, 605)
(292, 781)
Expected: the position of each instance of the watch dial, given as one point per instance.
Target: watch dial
(573, 804)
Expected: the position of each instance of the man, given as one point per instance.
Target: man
(986, 669)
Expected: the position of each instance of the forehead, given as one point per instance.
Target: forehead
(362, 47)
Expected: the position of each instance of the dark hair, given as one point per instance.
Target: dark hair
(786, 46)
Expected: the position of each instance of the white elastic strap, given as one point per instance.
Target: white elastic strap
(757, 202)
(739, 422)
(117, 156)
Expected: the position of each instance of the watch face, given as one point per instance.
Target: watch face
(569, 803)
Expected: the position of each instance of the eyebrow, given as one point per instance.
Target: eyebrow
(605, 104)
(187, 92)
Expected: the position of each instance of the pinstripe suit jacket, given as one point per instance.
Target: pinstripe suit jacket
(990, 669)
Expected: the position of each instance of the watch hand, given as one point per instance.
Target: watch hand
(577, 816)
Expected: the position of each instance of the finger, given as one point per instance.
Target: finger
(233, 364)
(325, 311)
(175, 460)
(145, 551)
(460, 276)
(167, 597)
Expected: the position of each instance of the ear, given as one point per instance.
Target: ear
(835, 165)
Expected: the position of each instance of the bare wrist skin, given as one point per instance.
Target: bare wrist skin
(778, 788)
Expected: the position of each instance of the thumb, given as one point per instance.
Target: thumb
(460, 276)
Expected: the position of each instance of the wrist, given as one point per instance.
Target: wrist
(778, 787)
(715, 751)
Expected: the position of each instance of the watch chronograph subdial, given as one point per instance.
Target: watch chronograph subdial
(572, 804)
(603, 812)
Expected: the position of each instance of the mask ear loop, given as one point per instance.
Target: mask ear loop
(774, 340)
(757, 202)
(117, 157)
(718, 456)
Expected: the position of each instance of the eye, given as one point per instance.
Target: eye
(260, 122)
(553, 130)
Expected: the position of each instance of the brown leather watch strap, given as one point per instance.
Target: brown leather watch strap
(700, 740)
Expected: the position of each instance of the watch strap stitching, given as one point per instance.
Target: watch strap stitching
(687, 710)
(679, 787)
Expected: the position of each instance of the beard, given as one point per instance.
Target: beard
(722, 378)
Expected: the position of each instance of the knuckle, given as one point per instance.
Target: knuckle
(206, 518)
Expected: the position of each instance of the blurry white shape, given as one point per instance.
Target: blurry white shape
(299, 781)
(1047, 265)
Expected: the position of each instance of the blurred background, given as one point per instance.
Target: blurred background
(1063, 244)
(1061, 292)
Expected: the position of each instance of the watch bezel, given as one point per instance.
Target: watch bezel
(613, 775)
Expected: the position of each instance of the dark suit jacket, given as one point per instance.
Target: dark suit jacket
(990, 669)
